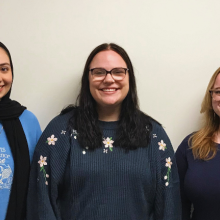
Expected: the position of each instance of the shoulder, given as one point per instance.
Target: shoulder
(184, 145)
(60, 121)
(29, 122)
(28, 116)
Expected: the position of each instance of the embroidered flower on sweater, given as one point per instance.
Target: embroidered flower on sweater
(162, 145)
(51, 140)
(63, 132)
(168, 165)
(105, 151)
(108, 142)
(154, 136)
(74, 134)
(43, 163)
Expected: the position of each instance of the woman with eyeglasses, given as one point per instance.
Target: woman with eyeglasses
(198, 161)
(19, 133)
(104, 158)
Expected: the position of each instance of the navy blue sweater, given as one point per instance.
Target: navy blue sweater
(199, 183)
(68, 182)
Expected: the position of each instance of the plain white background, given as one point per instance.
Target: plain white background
(174, 46)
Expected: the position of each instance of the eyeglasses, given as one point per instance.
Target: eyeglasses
(117, 74)
(215, 94)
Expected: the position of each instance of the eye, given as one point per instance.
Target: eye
(99, 72)
(4, 69)
(217, 92)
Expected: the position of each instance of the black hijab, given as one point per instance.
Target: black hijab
(9, 116)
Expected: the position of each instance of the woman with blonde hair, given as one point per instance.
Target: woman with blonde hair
(198, 159)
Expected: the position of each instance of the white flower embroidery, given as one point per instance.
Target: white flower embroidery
(162, 145)
(87, 148)
(168, 162)
(42, 161)
(168, 165)
(105, 151)
(51, 140)
(63, 132)
(108, 143)
(154, 136)
(74, 133)
(84, 152)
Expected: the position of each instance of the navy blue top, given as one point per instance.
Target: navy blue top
(73, 183)
(199, 184)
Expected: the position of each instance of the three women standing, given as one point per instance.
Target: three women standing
(19, 133)
(104, 158)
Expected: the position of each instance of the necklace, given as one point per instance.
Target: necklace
(1, 130)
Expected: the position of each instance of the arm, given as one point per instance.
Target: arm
(42, 192)
(182, 165)
(167, 204)
(47, 171)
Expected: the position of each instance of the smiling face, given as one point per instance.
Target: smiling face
(5, 73)
(108, 92)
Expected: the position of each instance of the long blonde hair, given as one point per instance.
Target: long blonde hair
(201, 142)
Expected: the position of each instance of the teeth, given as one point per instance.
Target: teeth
(109, 90)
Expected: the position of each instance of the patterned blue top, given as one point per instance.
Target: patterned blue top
(32, 132)
(69, 182)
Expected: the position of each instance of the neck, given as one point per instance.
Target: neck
(109, 113)
(217, 136)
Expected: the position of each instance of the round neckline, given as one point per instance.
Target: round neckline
(108, 124)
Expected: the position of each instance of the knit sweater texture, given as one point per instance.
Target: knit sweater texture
(72, 183)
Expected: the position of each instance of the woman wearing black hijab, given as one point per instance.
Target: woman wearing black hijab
(19, 133)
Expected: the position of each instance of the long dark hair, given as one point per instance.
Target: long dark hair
(12, 70)
(134, 126)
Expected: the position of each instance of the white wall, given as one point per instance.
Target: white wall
(174, 46)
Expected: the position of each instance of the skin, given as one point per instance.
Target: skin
(5, 73)
(108, 102)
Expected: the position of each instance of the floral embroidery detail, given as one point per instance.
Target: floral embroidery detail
(51, 140)
(162, 145)
(43, 163)
(74, 134)
(105, 151)
(168, 164)
(63, 132)
(87, 148)
(84, 152)
(108, 142)
(154, 136)
(147, 128)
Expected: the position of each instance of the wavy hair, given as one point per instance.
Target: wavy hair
(201, 142)
(131, 132)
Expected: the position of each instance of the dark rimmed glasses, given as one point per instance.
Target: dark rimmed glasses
(215, 93)
(117, 74)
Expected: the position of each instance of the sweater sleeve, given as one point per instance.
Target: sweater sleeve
(167, 199)
(182, 165)
(47, 170)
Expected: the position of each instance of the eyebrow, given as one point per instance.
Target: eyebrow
(2, 64)
(216, 88)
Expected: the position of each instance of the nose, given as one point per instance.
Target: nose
(109, 78)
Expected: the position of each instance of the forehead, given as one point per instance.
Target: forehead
(108, 59)
(217, 82)
(3, 56)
